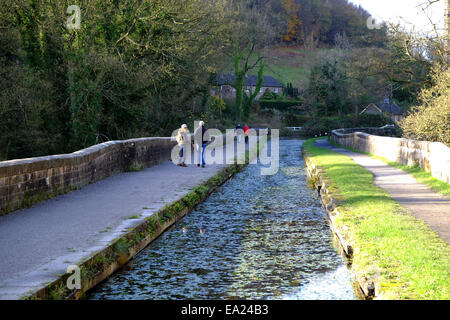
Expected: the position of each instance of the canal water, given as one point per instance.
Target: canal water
(256, 237)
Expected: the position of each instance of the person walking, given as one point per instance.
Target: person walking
(239, 132)
(183, 142)
(246, 132)
(201, 139)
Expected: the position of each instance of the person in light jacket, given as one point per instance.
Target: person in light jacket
(183, 143)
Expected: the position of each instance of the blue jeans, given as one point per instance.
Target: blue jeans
(202, 152)
(183, 154)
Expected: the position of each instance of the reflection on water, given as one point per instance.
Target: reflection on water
(328, 286)
(256, 237)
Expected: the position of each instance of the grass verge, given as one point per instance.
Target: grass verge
(406, 259)
(417, 172)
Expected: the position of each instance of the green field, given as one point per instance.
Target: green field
(292, 64)
(289, 64)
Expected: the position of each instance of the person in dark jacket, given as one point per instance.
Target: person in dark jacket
(201, 139)
(239, 132)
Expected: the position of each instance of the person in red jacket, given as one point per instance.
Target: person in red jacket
(246, 132)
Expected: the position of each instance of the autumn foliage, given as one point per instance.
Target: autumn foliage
(292, 20)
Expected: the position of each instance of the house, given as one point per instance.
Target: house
(223, 85)
(388, 108)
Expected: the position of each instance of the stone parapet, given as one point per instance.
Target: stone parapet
(24, 182)
(433, 157)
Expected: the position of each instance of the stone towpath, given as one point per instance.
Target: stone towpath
(420, 200)
(39, 243)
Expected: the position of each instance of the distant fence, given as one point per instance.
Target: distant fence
(294, 129)
(433, 157)
(27, 181)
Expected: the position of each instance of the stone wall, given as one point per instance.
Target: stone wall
(27, 181)
(388, 130)
(433, 157)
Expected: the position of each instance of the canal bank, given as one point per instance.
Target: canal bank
(255, 237)
(394, 255)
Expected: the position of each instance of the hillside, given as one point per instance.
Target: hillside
(289, 64)
(292, 64)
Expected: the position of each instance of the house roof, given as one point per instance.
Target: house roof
(228, 79)
(373, 106)
(387, 107)
(391, 108)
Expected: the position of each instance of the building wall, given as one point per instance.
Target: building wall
(396, 118)
(433, 157)
(228, 92)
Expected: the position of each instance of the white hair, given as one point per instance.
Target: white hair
(201, 123)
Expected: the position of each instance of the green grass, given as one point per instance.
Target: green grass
(292, 64)
(417, 172)
(135, 167)
(288, 64)
(408, 260)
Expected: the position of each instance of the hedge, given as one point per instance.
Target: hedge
(279, 104)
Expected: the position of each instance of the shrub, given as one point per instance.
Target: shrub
(293, 120)
(284, 132)
(279, 104)
(374, 120)
(431, 120)
(321, 126)
(269, 95)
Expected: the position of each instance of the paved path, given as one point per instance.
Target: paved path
(38, 243)
(424, 203)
